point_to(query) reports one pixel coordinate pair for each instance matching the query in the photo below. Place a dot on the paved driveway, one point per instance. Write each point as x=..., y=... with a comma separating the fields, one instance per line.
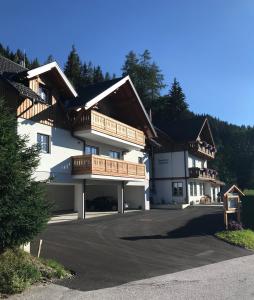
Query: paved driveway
x=113, y=250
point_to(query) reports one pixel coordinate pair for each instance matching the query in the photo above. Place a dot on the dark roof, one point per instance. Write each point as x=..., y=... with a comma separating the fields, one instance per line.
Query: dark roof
x=89, y=92
x=183, y=131
x=9, y=71
x=8, y=67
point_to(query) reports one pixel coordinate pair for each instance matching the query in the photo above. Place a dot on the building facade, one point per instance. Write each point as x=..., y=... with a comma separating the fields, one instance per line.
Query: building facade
x=92, y=144
x=180, y=173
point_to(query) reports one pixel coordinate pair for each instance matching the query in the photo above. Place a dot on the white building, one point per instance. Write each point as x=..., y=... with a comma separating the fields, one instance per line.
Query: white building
x=92, y=144
x=179, y=165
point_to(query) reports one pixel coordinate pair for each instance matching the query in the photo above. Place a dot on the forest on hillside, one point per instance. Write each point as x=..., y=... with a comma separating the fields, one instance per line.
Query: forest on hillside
x=235, y=144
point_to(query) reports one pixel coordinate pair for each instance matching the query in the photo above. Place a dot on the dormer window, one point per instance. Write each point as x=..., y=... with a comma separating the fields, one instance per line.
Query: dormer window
x=44, y=93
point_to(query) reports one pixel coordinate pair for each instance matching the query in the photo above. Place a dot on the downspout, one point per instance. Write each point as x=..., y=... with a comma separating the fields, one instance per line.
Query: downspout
x=186, y=182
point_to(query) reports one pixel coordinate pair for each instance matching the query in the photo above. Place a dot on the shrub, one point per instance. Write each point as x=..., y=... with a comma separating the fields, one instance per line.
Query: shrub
x=248, y=211
x=16, y=272
x=24, y=211
x=19, y=270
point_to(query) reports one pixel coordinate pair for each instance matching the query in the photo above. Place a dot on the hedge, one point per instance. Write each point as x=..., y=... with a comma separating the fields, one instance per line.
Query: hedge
x=248, y=211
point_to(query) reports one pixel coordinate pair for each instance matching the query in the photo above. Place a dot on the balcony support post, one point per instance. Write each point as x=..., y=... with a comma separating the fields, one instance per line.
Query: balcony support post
x=120, y=197
x=80, y=199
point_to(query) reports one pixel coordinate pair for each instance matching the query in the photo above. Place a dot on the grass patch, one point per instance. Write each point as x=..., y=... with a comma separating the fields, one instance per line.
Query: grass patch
x=243, y=238
x=19, y=270
x=249, y=192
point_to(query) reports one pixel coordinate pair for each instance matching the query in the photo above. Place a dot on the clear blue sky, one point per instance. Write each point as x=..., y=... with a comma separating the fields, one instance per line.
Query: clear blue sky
x=208, y=45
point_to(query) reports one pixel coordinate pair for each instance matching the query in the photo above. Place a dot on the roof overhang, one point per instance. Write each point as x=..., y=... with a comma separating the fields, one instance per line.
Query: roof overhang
x=234, y=187
x=114, y=87
x=206, y=122
x=49, y=67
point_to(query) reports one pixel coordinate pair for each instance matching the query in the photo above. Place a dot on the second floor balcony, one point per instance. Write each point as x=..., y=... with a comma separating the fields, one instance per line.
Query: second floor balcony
x=204, y=173
x=84, y=165
x=96, y=126
x=203, y=149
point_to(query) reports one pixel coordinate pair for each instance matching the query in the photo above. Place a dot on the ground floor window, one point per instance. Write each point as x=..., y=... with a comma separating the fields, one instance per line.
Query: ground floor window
x=43, y=141
x=177, y=189
x=193, y=189
x=202, y=189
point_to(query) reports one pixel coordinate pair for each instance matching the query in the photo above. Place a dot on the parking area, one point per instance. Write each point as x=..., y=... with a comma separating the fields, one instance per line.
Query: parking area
x=116, y=249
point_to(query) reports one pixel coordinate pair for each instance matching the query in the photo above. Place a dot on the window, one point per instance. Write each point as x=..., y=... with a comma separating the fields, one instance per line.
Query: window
x=140, y=160
x=202, y=189
x=177, y=189
x=44, y=94
x=43, y=142
x=202, y=164
x=193, y=162
x=193, y=189
x=114, y=154
x=91, y=150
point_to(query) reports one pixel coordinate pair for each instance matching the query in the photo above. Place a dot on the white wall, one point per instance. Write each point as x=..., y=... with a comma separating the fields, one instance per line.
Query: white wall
x=63, y=146
x=170, y=164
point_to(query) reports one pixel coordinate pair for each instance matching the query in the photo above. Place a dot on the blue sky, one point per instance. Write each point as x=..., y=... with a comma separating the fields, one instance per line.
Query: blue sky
x=208, y=45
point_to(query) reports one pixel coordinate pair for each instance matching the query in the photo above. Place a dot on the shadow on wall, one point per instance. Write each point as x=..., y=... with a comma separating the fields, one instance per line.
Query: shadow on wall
x=207, y=224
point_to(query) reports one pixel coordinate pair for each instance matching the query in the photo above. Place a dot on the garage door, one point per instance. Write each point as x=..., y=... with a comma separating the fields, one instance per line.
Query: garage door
x=62, y=197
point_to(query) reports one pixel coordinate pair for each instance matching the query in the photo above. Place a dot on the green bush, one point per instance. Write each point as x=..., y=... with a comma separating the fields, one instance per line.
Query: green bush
x=16, y=272
x=248, y=211
x=19, y=270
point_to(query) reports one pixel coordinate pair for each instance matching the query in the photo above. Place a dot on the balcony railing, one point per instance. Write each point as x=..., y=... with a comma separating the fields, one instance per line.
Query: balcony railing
x=202, y=148
x=97, y=165
x=104, y=124
x=202, y=173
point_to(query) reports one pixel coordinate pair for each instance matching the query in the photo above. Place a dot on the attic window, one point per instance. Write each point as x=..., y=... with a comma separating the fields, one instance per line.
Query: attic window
x=44, y=93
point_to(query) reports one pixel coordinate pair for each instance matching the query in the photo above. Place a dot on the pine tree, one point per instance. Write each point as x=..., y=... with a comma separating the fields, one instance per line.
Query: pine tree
x=23, y=209
x=73, y=68
x=34, y=64
x=87, y=74
x=98, y=75
x=175, y=104
x=49, y=59
x=145, y=75
x=107, y=76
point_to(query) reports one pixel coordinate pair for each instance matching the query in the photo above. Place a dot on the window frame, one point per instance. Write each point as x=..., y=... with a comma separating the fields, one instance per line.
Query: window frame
x=47, y=143
x=178, y=189
x=47, y=92
x=114, y=152
x=91, y=150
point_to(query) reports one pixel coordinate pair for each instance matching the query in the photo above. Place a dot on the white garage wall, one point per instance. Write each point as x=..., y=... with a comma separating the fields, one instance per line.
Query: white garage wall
x=134, y=196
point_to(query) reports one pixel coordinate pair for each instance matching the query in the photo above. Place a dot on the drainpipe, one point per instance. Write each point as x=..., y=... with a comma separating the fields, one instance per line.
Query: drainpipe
x=186, y=182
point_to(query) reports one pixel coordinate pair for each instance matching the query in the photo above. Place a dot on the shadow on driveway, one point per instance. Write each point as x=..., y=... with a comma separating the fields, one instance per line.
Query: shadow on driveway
x=113, y=250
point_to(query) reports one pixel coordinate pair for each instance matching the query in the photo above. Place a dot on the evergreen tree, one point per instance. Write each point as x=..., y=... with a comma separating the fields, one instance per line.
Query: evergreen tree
x=49, y=59
x=175, y=104
x=145, y=75
x=73, y=68
x=98, y=75
x=34, y=64
x=24, y=212
x=107, y=76
x=87, y=74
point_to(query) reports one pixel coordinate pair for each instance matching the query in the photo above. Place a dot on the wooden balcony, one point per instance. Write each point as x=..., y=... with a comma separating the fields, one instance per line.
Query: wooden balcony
x=203, y=149
x=98, y=165
x=94, y=120
x=202, y=173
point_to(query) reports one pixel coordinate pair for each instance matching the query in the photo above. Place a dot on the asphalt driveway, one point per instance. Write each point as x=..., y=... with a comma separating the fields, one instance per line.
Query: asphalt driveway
x=117, y=249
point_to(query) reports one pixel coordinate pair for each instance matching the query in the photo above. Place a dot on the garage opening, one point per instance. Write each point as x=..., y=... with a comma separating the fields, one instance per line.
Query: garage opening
x=62, y=197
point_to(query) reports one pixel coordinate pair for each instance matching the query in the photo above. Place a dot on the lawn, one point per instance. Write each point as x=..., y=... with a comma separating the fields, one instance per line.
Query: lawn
x=243, y=238
x=249, y=192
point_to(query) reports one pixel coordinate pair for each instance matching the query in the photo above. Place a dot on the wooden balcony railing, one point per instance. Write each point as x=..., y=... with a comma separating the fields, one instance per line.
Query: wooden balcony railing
x=104, y=124
x=202, y=148
x=98, y=165
x=202, y=173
